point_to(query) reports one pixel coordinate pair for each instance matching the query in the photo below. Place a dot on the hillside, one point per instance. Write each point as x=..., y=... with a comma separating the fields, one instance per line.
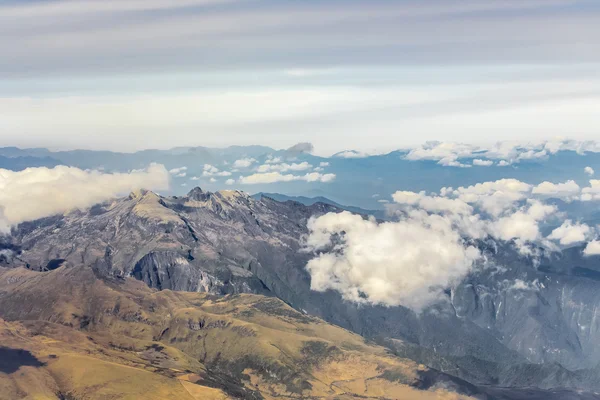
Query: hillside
x=68, y=334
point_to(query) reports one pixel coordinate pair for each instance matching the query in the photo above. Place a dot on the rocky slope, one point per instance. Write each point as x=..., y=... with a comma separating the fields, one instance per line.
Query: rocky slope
x=516, y=324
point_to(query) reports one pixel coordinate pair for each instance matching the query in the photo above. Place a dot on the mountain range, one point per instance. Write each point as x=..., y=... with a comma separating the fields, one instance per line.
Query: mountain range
x=537, y=337
x=378, y=176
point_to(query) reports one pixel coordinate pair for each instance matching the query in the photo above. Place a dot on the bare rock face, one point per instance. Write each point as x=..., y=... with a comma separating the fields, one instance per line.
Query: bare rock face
x=223, y=242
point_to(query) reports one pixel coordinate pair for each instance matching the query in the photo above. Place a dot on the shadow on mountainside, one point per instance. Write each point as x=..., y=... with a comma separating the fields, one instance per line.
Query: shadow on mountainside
x=13, y=359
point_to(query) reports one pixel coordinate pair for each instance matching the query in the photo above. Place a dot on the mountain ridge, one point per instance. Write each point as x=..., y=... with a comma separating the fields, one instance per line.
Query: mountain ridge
x=228, y=242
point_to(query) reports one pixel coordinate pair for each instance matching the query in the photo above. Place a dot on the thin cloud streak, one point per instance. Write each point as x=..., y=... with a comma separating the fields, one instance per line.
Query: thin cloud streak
x=258, y=34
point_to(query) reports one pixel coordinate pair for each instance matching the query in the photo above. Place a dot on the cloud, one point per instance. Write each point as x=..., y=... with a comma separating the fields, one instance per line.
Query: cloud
x=41, y=192
x=350, y=154
x=230, y=182
x=260, y=37
x=494, y=197
x=243, y=163
x=449, y=162
x=589, y=171
x=435, y=150
x=303, y=166
x=580, y=147
x=508, y=152
x=407, y=263
x=179, y=172
x=483, y=163
x=273, y=160
x=507, y=215
x=211, y=170
x=58, y=8
x=522, y=224
x=323, y=164
x=433, y=204
x=407, y=197
x=567, y=190
x=569, y=233
x=272, y=177
x=591, y=192
x=592, y=248
x=370, y=262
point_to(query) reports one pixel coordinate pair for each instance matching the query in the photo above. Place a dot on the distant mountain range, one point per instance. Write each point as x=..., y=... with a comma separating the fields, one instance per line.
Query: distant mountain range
x=309, y=201
x=361, y=180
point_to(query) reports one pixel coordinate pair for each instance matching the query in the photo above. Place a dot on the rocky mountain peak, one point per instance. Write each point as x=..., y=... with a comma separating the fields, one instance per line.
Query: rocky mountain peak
x=137, y=194
x=198, y=194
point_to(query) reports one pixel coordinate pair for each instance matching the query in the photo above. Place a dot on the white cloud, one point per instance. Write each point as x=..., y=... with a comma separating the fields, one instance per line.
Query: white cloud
x=522, y=225
x=581, y=147
x=64, y=8
x=272, y=177
x=569, y=233
x=592, y=248
x=589, y=171
x=230, y=181
x=508, y=152
x=213, y=180
x=303, y=166
x=449, y=162
x=483, y=163
x=433, y=204
x=210, y=170
x=407, y=197
x=591, y=192
x=494, y=197
x=179, y=172
x=273, y=160
x=351, y=154
x=369, y=262
x=41, y=192
x=532, y=155
x=507, y=218
x=441, y=150
x=407, y=263
x=323, y=164
x=244, y=163
x=566, y=190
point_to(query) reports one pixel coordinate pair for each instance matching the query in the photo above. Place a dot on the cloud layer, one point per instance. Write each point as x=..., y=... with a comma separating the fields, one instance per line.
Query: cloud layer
x=272, y=177
x=41, y=192
x=505, y=153
x=430, y=245
x=404, y=263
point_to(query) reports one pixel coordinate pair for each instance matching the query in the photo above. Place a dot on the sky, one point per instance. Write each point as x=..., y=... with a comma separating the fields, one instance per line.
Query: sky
x=342, y=74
